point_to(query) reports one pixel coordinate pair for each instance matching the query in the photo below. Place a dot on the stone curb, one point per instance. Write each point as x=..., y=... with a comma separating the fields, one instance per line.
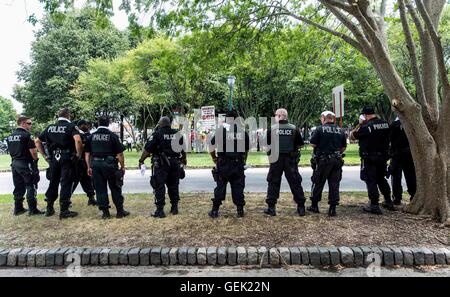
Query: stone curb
x=220, y=256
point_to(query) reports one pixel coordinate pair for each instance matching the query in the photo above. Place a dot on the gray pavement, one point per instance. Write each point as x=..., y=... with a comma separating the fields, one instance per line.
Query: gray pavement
x=200, y=180
x=208, y=271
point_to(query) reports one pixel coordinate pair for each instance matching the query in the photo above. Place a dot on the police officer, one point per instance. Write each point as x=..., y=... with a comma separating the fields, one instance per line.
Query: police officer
x=81, y=176
x=329, y=143
x=25, y=172
x=284, y=140
x=401, y=161
x=232, y=144
x=64, y=150
x=104, y=154
x=373, y=136
x=166, y=147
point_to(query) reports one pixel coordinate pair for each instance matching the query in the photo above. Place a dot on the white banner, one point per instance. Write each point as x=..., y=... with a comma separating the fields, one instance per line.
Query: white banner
x=338, y=101
x=208, y=118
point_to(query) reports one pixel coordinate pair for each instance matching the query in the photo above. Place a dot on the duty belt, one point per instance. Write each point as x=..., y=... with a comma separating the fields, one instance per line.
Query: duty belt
x=107, y=158
x=335, y=155
x=57, y=153
x=232, y=159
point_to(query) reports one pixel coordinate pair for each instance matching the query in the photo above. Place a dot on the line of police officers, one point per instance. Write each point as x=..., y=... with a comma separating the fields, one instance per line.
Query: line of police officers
x=97, y=162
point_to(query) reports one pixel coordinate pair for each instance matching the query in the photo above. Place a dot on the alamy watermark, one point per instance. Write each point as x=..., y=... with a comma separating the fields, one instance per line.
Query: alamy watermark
x=259, y=132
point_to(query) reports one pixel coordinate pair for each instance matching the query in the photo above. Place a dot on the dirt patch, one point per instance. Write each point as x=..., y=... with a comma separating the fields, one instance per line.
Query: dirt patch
x=192, y=227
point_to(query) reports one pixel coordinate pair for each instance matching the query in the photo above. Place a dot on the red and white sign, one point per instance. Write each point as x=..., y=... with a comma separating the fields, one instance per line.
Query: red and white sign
x=208, y=117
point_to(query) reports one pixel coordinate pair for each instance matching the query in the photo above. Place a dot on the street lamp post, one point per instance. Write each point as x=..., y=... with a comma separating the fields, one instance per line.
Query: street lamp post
x=231, y=80
x=11, y=125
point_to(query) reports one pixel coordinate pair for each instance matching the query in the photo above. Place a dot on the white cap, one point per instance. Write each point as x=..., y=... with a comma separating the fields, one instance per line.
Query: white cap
x=327, y=113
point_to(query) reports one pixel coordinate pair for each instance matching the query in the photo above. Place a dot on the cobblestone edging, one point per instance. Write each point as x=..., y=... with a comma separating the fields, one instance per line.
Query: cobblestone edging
x=262, y=256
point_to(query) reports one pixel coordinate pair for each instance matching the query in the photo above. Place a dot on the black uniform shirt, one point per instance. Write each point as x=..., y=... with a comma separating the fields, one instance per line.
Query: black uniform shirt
x=19, y=145
x=399, y=141
x=328, y=139
x=237, y=139
x=161, y=141
x=291, y=142
x=373, y=138
x=60, y=135
x=103, y=143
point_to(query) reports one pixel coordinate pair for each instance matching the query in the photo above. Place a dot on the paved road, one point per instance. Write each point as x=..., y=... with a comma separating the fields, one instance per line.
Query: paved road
x=200, y=180
x=205, y=271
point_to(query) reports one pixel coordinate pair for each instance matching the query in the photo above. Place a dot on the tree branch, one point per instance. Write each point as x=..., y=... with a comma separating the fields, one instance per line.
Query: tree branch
x=437, y=46
x=365, y=49
x=414, y=65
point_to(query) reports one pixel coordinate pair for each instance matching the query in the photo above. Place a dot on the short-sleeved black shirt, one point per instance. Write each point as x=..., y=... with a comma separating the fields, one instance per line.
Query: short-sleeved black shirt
x=373, y=138
x=328, y=139
x=398, y=138
x=103, y=143
x=60, y=136
x=236, y=139
x=161, y=141
x=19, y=145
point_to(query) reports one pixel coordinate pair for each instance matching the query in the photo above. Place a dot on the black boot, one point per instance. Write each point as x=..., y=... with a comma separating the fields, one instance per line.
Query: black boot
x=174, y=209
x=332, y=211
x=105, y=214
x=240, y=212
x=387, y=204
x=301, y=210
x=159, y=213
x=314, y=208
x=65, y=214
x=18, y=208
x=35, y=212
x=271, y=211
x=121, y=213
x=92, y=201
x=214, y=213
x=374, y=209
x=50, y=211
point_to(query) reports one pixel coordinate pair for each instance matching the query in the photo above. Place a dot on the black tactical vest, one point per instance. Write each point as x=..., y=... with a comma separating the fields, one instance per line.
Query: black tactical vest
x=285, y=134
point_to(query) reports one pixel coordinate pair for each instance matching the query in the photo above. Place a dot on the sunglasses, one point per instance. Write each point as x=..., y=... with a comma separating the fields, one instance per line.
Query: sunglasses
x=29, y=123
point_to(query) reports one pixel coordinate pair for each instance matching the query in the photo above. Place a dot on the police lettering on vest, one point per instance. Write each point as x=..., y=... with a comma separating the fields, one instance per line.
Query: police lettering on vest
x=60, y=135
x=328, y=139
x=19, y=145
x=373, y=138
x=161, y=141
x=287, y=135
x=103, y=143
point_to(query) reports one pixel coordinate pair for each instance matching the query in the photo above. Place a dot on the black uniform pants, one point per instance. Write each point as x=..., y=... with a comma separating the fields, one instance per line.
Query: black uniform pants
x=81, y=177
x=61, y=172
x=105, y=173
x=328, y=169
x=373, y=173
x=403, y=163
x=289, y=166
x=25, y=178
x=229, y=171
x=165, y=175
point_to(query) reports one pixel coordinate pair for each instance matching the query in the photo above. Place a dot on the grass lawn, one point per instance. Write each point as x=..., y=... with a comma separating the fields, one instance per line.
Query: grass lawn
x=192, y=227
x=204, y=159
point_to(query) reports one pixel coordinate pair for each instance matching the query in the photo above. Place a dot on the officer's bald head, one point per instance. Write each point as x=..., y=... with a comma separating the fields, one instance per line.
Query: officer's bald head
x=281, y=114
x=164, y=122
